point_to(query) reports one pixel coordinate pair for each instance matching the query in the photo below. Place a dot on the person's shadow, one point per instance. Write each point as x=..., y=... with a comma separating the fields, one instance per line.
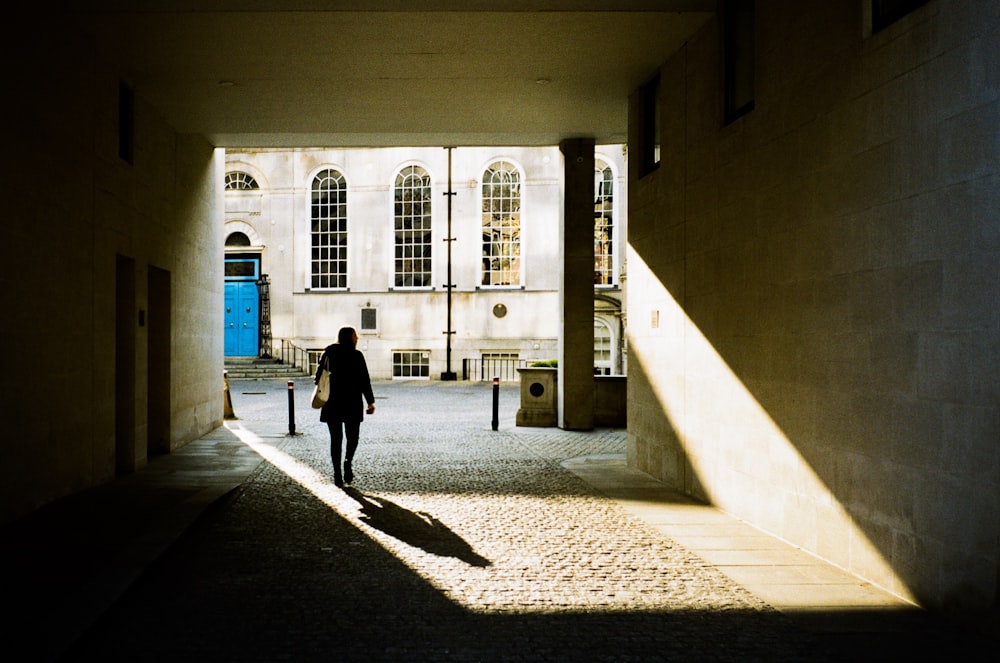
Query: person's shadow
x=418, y=529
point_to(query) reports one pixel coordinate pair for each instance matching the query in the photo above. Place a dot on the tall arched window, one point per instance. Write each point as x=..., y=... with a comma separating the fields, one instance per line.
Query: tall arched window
x=501, y=225
x=604, y=224
x=329, y=230
x=240, y=181
x=413, y=228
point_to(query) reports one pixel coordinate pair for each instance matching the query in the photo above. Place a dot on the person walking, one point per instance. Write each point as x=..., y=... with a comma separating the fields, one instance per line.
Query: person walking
x=350, y=390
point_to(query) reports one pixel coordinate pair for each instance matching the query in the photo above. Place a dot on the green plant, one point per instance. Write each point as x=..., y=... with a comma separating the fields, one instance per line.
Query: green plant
x=549, y=363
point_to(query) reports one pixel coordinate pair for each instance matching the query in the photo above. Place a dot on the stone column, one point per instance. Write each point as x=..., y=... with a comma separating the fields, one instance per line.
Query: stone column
x=576, y=292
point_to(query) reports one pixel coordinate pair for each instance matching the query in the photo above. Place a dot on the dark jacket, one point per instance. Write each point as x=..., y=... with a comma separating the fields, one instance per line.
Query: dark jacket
x=350, y=385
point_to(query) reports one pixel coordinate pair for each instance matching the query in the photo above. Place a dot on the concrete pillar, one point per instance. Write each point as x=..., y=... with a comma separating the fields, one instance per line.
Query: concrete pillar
x=576, y=291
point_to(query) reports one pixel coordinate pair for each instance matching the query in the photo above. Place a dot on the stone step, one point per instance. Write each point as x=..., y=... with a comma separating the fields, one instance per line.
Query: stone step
x=260, y=369
x=252, y=361
x=266, y=376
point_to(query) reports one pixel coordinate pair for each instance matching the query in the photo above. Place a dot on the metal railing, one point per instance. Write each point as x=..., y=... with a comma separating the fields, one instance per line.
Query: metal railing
x=292, y=355
x=478, y=370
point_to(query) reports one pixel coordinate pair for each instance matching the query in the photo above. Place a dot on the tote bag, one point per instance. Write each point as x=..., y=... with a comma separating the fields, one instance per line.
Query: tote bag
x=321, y=392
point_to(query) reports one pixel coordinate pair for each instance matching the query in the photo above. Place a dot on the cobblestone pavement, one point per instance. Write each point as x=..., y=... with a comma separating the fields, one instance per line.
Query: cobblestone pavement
x=455, y=543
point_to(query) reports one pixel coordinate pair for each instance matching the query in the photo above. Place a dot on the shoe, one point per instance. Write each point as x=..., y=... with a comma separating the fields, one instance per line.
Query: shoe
x=338, y=482
x=348, y=474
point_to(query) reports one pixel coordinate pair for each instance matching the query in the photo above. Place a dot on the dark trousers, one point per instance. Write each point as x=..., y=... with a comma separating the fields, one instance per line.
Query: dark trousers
x=338, y=431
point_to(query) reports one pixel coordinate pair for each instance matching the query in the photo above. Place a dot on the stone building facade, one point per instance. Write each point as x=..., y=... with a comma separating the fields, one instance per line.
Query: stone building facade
x=385, y=268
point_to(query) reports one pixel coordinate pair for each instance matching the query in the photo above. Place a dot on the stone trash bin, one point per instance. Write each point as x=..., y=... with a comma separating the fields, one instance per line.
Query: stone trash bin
x=539, y=400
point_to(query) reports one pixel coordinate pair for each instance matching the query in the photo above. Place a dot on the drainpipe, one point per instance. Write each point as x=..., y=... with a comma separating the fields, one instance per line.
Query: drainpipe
x=449, y=374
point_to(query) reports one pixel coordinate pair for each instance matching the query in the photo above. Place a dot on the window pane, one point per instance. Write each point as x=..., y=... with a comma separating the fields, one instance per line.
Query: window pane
x=502, y=365
x=501, y=221
x=237, y=181
x=329, y=230
x=411, y=363
x=413, y=209
x=603, y=225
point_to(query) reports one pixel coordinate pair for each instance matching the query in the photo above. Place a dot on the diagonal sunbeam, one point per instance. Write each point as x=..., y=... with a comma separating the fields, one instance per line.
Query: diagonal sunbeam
x=539, y=553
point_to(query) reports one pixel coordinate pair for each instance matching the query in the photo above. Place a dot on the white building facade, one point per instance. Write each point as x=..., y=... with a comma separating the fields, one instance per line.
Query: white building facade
x=372, y=238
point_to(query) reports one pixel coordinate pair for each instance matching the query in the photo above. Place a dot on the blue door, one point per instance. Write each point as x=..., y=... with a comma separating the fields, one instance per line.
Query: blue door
x=242, y=314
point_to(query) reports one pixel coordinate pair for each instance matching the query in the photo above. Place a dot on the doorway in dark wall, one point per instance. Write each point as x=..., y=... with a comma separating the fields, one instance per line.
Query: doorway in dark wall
x=125, y=342
x=158, y=372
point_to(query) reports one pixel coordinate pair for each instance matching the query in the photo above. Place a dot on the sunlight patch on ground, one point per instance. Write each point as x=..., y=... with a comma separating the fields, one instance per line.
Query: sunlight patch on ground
x=522, y=553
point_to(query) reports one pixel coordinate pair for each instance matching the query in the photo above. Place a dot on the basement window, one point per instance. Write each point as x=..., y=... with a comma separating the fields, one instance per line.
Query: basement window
x=412, y=364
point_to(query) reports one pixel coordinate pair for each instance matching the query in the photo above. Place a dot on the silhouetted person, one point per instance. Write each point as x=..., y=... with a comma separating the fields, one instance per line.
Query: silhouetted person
x=350, y=389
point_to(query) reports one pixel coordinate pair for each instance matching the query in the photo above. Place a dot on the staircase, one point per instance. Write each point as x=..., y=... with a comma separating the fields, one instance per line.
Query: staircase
x=255, y=368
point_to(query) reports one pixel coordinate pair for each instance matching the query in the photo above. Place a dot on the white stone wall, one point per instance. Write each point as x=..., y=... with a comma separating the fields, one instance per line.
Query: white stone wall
x=812, y=292
x=277, y=219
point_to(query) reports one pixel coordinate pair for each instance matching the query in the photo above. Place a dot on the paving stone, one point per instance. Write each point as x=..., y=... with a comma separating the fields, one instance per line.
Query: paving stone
x=455, y=543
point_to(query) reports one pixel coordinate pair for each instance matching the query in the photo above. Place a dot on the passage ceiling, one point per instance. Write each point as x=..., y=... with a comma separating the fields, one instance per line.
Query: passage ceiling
x=309, y=73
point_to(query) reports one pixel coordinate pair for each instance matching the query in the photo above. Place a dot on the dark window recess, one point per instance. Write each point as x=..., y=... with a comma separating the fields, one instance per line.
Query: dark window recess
x=241, y=269
x=126, y=122
x=649, y=126
x=887, y=12
x=739, y=61
x=369, y=321
x=237, y=239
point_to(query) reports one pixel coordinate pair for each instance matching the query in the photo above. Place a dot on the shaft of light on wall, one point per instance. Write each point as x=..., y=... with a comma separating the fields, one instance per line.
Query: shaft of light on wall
x=744, y=462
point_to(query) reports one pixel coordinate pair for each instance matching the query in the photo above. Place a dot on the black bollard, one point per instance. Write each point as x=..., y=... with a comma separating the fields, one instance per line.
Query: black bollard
x=496, y=403
x=291, y=407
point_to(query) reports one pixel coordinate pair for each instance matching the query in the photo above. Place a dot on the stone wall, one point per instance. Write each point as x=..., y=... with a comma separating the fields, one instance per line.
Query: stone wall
x=101, y=254
x=812, y=289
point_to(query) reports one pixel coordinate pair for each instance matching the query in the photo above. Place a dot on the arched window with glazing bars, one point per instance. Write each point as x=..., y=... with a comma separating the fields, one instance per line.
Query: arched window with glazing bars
x=328, y=218
x=501, y=225
x=239, y=181
x=412, y=228
x=604, y=224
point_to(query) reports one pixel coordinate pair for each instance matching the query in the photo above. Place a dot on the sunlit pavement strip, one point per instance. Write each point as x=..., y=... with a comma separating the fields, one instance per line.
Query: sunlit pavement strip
x=499, y=529
x=457, y=543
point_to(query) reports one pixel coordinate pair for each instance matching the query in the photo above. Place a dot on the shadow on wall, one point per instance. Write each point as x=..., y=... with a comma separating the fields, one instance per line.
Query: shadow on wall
x=799, y=434
x=827, y=486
